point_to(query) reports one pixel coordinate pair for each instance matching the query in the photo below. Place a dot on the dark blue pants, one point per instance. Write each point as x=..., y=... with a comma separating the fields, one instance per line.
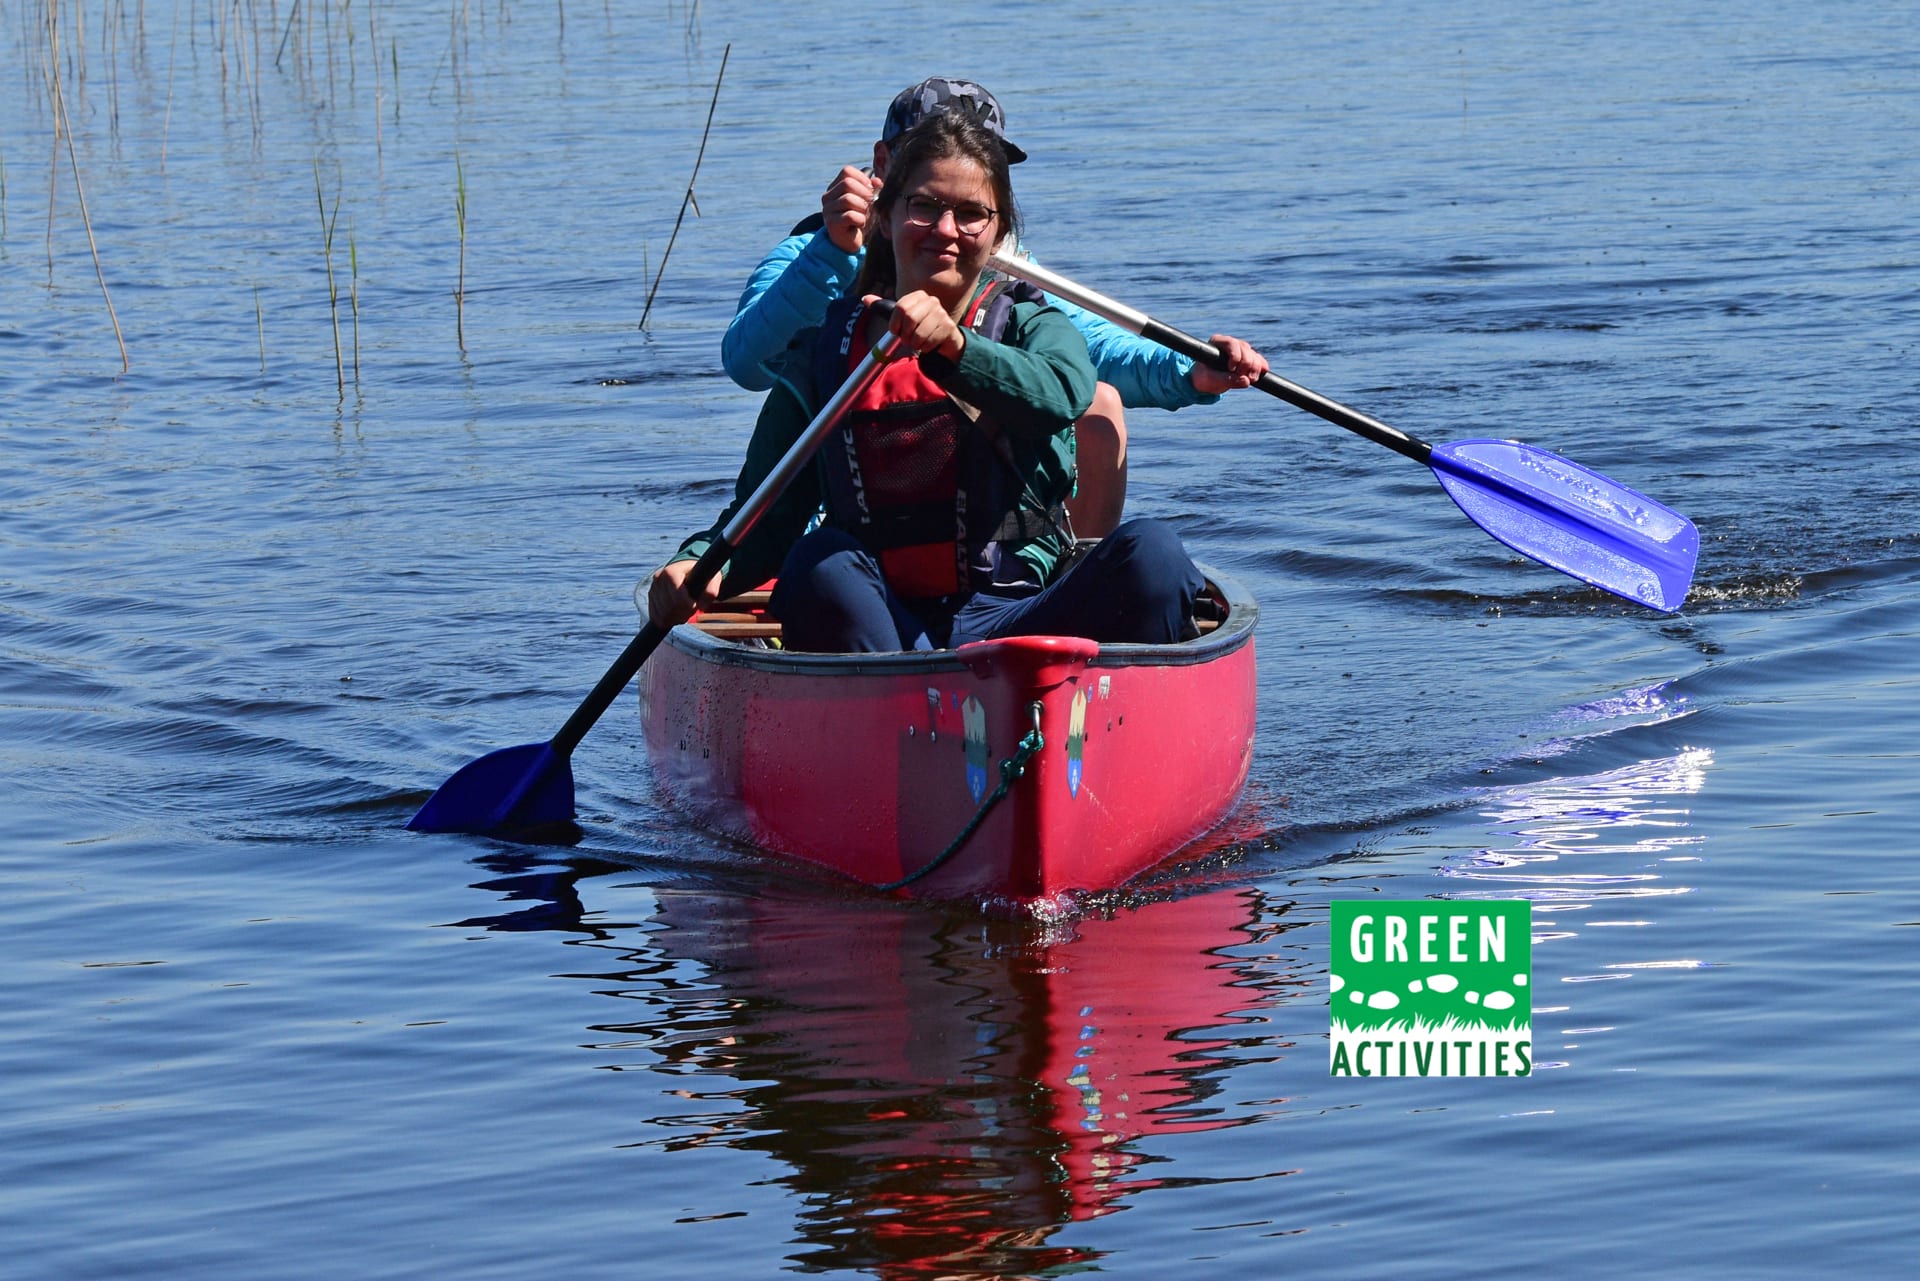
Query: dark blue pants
x=1137, y=586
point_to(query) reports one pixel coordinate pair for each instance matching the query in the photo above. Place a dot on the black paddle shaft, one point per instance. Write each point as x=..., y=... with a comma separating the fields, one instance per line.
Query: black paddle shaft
x=1138, y=322
x=1293, y=393
x=638, y=650
x=631, y=659
x=1543, y=506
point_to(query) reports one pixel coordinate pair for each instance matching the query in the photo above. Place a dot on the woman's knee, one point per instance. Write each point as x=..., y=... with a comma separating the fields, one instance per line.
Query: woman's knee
x=1101, y=432
x=1100, y=437
x=822, y=554
x=1149, y=542
x=830, y=595
x=1148, y=556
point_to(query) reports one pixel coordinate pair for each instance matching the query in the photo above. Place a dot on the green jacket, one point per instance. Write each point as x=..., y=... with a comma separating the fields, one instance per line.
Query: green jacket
x=1032, y=383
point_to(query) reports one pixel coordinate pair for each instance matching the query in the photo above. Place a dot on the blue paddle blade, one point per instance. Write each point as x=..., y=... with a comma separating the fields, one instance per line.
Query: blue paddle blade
x=1572, y=518
x=515, y=787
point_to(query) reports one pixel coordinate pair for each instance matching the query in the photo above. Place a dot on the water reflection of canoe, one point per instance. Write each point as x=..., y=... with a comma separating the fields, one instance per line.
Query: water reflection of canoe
x=872, y=765
x=944, y=1093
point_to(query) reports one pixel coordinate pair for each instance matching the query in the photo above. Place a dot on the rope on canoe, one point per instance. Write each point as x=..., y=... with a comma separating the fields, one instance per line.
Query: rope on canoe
x=1011, y=768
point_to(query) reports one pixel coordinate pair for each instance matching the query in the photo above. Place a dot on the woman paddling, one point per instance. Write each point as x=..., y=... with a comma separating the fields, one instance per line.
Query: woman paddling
x=943, y=487
x=822, y=257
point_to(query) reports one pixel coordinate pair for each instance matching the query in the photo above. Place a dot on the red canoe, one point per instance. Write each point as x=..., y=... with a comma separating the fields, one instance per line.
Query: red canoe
x=872, y=765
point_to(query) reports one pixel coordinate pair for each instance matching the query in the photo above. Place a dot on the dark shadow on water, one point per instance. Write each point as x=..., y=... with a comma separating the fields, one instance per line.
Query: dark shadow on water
x=644, y=376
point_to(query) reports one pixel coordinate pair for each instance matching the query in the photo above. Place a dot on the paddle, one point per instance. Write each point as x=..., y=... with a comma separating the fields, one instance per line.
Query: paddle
x=1536, y=502
x=531, y=785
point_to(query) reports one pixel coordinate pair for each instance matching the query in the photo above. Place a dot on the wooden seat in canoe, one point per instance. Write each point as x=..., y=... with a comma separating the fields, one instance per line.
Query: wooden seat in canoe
x=744, y=617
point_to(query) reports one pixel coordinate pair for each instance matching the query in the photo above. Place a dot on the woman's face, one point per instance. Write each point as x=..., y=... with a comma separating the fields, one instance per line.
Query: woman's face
x=941, y=257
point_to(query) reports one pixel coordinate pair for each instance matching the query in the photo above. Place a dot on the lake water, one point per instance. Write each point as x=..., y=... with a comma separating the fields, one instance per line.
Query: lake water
x=256, y=603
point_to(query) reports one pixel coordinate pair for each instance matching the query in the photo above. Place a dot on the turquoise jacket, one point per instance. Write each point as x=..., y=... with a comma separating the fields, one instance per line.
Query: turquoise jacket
x=790, y=290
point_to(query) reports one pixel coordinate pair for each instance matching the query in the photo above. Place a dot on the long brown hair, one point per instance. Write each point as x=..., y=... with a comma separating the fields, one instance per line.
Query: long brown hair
x=944, y=135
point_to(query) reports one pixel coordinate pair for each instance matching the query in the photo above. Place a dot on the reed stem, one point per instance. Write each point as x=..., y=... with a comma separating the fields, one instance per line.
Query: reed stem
x=333, y=289
x=292, y=15
x=166, y=126
x=353, y=296
x=63, y=124
x=688, y=198
x=460, y=286
x=379, y=87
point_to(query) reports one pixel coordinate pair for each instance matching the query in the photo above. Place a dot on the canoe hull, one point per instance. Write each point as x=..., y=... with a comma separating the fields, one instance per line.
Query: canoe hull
x=871, y=765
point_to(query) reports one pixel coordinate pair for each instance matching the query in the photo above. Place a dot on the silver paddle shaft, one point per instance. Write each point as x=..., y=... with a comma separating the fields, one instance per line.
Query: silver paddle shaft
x=801, y=452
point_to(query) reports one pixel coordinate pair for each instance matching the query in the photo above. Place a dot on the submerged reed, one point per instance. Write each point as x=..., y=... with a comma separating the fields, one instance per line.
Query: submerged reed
x=460, y=285
x=353, y=297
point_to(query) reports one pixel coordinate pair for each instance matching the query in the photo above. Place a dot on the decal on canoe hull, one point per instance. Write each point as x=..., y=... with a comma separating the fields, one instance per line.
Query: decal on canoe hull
x=1076, y=740
x=973, y=722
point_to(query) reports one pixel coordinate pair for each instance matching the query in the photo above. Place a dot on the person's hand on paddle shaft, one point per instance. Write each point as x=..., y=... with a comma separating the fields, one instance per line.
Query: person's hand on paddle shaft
x=847, y=205
x=922, y=324
x=1244, y=367
x=668, y=600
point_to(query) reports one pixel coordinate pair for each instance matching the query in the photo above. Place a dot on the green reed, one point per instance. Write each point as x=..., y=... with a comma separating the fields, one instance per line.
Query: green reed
x=460, y=284
x=327, y=223
x=688, y=199
x=63, y=128
x=353, y=296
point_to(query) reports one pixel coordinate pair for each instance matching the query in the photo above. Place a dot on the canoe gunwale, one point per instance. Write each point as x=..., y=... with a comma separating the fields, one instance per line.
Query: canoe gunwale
x=1235, y=631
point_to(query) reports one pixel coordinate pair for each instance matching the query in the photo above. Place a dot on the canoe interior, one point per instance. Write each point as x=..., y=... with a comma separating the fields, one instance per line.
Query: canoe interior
x=744, y=617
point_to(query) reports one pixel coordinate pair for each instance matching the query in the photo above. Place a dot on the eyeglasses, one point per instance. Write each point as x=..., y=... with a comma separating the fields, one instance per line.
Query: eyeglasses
x=968, y=219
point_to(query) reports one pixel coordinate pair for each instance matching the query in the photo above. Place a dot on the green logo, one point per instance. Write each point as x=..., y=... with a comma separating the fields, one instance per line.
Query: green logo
x=1432, y=988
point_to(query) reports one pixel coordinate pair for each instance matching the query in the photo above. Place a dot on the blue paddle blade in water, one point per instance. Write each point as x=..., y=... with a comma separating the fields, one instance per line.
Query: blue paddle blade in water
x=1572, y=518
x=515, y=787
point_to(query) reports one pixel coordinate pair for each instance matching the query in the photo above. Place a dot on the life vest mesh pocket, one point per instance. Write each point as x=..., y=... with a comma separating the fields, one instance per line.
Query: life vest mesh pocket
x=915, y=461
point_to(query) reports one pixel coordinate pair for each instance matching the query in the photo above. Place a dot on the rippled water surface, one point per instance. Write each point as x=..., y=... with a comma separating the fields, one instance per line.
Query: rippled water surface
x=256, y=601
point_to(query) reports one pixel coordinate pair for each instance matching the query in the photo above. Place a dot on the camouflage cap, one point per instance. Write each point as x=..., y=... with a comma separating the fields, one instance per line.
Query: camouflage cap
x=913, y=105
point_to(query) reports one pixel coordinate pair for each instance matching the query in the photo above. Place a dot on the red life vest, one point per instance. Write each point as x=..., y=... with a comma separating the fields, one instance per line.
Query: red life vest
x=931, y=487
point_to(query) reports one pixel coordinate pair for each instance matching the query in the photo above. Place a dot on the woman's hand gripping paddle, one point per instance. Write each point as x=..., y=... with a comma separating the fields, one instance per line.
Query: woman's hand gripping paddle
x=1536, y=502
x=522, y=787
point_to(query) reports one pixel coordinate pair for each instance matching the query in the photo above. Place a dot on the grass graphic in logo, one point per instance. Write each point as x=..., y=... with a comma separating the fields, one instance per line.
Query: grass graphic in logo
x=1431, y=988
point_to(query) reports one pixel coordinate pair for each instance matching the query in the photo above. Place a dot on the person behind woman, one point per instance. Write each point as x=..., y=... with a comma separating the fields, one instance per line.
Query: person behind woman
x=944, y=482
